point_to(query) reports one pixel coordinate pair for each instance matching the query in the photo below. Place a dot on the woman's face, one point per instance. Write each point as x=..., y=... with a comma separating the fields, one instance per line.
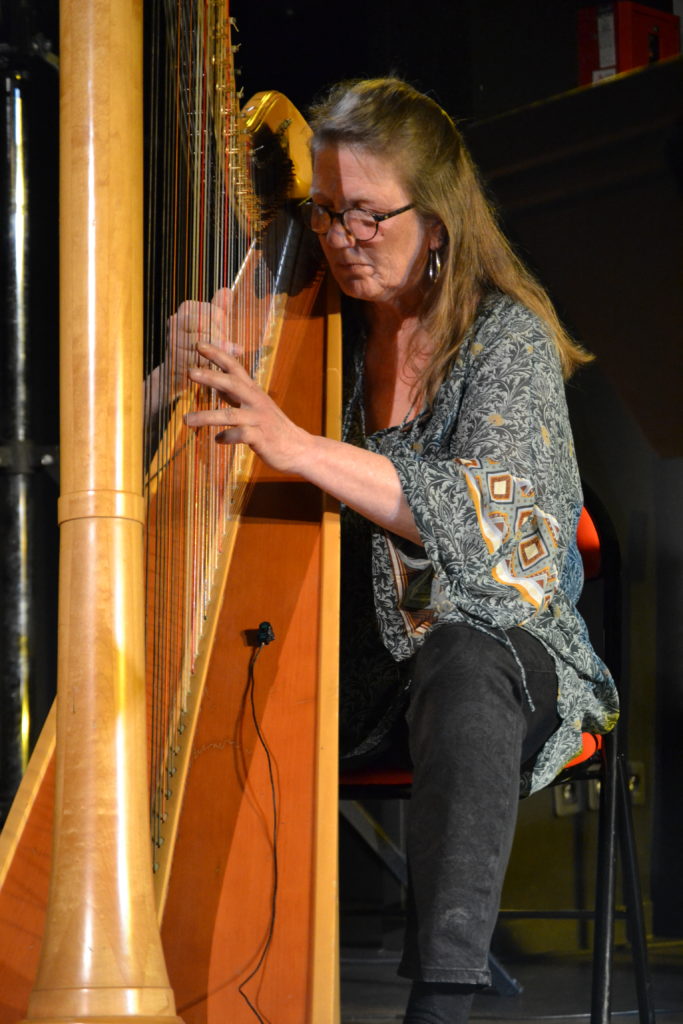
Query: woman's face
x=391, y=267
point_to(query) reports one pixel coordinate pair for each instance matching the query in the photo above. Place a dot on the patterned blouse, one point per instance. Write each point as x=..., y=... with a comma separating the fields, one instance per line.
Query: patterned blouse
x=491, y=478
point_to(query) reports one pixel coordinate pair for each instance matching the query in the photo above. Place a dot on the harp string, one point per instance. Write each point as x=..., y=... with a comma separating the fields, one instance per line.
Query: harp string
x=205, y=234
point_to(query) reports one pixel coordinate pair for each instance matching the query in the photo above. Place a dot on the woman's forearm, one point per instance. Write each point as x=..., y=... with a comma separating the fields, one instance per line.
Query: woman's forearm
x=363, y=480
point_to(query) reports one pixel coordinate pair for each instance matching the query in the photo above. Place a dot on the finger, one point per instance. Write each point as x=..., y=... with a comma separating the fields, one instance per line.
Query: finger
x=200, y=320
x=185, y=354
x=218, y=328
x=193, y=315
x=223, y=299
x=224, y=359
x=219, y=325
x=179, y=337
x=212, y=417
x=203, y=321
x=234, y=383
x=233, y=435
x=182, y=351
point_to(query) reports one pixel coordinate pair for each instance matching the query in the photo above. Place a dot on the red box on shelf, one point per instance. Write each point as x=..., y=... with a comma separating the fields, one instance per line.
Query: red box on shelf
x=621, y=36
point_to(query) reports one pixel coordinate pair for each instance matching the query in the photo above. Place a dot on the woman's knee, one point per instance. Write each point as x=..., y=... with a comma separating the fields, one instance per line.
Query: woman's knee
x=464, y=690
x=459, y=663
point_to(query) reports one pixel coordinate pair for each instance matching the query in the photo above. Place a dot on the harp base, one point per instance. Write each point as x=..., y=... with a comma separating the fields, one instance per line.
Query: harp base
x=80, y=1018
x=106, y=1005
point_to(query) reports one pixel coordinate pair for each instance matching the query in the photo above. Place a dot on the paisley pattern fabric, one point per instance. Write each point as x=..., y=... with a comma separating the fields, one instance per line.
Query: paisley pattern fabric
x=490, y=475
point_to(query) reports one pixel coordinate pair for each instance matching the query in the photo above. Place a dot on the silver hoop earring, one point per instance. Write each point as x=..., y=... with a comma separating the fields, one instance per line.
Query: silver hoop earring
x=434, y=265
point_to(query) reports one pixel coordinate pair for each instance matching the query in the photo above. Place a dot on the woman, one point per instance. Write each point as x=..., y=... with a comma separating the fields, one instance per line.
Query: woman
x=461, y=498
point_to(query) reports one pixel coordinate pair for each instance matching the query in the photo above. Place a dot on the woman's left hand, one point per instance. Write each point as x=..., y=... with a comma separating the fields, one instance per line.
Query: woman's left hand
x=250, y=416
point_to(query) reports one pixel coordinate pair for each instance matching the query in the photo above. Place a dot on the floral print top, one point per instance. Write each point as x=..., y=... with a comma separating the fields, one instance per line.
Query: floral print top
x=491, y=478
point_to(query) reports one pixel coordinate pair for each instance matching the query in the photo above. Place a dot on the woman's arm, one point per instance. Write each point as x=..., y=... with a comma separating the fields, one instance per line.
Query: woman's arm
x=363, y=480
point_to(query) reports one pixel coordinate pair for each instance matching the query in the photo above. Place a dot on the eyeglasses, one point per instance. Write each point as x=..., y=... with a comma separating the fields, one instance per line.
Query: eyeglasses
x=362, y=224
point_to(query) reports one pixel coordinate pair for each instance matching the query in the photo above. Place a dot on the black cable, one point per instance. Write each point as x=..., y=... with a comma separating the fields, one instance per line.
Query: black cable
x=264, y=636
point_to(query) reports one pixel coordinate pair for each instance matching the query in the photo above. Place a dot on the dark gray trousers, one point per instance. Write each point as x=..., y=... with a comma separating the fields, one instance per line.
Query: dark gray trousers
x=470, y=729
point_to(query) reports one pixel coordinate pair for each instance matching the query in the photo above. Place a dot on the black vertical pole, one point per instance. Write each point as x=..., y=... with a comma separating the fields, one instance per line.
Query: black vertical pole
x=27, y=570
x=14, y=493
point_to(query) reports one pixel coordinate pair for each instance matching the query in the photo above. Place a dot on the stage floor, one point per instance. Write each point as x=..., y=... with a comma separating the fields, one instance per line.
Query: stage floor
x=555, y=988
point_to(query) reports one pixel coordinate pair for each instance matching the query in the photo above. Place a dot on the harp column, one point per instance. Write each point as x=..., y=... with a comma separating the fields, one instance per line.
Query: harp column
x=102, y=957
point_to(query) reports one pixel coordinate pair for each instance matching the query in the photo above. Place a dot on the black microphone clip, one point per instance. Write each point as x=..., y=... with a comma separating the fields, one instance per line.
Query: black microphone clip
x=265, y=634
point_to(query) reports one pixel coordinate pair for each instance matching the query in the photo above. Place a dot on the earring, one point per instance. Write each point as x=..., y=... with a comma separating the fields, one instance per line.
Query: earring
x=434, y=265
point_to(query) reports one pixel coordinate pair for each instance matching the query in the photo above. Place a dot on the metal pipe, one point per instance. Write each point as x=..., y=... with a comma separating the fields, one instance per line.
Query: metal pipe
x=16, y=460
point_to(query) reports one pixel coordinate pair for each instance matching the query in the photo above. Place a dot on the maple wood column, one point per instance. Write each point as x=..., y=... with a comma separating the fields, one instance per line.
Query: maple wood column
x=102, y=957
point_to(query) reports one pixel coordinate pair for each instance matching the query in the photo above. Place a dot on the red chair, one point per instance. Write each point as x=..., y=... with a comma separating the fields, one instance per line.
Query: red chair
x=603, y=758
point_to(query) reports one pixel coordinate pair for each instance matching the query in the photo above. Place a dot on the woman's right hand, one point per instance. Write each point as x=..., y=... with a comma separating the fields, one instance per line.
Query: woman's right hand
x=194, y=322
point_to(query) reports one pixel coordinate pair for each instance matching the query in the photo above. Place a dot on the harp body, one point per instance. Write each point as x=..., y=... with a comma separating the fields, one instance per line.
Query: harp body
x=116, y=945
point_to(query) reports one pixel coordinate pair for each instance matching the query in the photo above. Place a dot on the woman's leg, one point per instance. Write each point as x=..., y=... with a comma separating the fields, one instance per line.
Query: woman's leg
x=468, y=720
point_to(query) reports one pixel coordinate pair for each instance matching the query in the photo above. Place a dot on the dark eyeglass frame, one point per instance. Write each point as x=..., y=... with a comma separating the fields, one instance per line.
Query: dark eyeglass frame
x=339, y=215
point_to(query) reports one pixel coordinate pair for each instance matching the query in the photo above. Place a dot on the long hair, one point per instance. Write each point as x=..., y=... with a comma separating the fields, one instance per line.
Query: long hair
x=389, y=118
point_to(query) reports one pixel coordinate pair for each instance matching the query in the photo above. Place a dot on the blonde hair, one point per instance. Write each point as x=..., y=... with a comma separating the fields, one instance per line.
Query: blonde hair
x=390, y=118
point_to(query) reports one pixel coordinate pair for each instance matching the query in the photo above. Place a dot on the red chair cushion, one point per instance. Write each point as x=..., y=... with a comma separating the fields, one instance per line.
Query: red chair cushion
x=589, y=545
x=592, y=742
x=403, y=775
x=377, y=777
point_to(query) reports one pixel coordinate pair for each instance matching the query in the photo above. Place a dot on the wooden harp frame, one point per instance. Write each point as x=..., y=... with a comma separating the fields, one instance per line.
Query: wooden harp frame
x=102, y=954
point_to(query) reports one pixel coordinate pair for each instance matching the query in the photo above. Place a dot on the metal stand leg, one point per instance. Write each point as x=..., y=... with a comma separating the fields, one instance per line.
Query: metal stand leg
x=502, y=983
x=633, y=897
x=605, y=883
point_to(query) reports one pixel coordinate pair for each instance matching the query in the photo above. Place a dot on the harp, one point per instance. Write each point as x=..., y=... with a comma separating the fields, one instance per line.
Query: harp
x=240, y=923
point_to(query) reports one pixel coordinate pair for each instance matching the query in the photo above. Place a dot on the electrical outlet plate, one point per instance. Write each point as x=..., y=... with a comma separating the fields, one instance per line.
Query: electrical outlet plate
x=636, y=787
x=636, y=782
x=567, y=799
